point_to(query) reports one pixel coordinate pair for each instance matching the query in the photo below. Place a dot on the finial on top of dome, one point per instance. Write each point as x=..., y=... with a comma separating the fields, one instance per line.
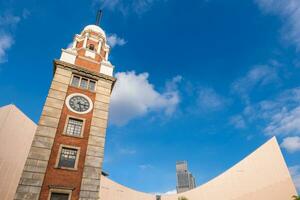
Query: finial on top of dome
x=98, y=17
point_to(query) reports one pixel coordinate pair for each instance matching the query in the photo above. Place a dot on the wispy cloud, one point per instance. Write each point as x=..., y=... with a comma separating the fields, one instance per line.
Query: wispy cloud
x=289, y=12
x=284, y=122
x=137, y=6
x=279, y=115
x=7, y=23
x=283, y=113
x=291, y=144
x=134, y=96
x=127, y=151
x=114, y=40
x=258, y=76
x=145, y=166
x=6, y=41
x=209, y=100
x=9, y=19
x=238, y=121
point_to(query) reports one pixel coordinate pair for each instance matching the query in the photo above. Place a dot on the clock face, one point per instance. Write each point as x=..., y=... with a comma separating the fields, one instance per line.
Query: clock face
x=79, y=103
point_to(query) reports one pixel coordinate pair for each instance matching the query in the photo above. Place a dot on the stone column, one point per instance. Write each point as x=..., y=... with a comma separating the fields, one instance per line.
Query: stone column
x=36, y=164
x=90, y=185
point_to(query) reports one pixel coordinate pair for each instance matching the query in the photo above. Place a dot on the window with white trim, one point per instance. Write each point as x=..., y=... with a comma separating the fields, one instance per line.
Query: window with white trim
x=68, y=157
x=84, y=83
x=59, y=196
x=75, y=81
x=74, y=127
x=92, y=85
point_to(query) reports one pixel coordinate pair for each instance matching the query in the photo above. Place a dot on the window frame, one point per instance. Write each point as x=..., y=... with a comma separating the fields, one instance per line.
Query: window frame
x=59, y=154
x=61, y=191
x=73, y=79
x=88, y=82
x=67, y=123
x=95, y=83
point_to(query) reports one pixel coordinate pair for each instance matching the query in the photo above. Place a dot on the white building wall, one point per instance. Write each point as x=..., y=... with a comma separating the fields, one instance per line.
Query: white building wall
x=260, y=176
x=16, y=134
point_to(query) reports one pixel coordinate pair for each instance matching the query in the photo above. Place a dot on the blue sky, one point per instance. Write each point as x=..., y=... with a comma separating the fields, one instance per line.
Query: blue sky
x=205, y=81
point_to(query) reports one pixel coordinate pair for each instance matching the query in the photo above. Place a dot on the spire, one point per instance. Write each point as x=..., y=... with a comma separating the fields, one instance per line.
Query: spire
x=98, y=17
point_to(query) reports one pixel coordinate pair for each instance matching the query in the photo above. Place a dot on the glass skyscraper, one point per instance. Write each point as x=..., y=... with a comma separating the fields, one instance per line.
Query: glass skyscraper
x=185, y=179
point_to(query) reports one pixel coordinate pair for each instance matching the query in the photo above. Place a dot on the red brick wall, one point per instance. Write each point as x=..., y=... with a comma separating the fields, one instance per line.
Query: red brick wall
x=87, y=65
x=63, y=177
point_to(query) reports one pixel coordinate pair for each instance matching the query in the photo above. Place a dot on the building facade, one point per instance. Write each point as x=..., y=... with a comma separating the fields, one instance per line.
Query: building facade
x=66, y=155
x=185, y=179
x=16, y=134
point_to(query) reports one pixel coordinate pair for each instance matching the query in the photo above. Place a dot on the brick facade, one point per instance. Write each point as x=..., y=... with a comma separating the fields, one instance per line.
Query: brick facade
x=65, y=178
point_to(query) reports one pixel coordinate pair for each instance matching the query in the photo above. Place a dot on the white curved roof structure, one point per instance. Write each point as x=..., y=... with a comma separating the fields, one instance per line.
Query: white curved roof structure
x=262, y=175
x=95, y=29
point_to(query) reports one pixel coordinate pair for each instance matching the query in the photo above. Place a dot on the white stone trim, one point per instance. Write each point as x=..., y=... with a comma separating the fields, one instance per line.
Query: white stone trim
x=90, y=53
x=85, y=40
x=99, y=47
x=79, y=94
x=67, y=123
x=106, y=68
x=61, y=191
x=68, y=56
x=93, y=38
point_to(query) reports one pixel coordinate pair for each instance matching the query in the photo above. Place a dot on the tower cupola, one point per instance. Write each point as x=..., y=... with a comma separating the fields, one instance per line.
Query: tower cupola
x=89, y=50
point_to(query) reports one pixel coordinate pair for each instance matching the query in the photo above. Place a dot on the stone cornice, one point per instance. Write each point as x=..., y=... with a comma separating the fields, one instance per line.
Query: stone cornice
x=80, y=70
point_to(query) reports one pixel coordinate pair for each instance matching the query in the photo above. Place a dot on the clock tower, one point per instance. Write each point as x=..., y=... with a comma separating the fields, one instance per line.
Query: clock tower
x=65, y=158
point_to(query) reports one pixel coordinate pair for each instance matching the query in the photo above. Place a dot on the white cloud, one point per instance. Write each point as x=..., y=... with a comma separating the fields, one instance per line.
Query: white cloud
x=127, y=151
x=137, y=6
x=7, y=24
x=133, y=96
x=295, y=173
x=291, y=144
x=278, y=116
x=284, y=122
x=145, y=166
x=9, y=20
x=113, y=40
x=209, y=100
x=6, y=41
x=165, y=193
x=260, y=75
x=171, y=192
x=282, y=113
x=289, y=12
x=238, y=121
x=26, y=13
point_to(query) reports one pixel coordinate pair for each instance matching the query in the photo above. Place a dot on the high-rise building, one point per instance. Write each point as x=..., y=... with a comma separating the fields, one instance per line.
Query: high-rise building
x=66, y=155
x=185, y=179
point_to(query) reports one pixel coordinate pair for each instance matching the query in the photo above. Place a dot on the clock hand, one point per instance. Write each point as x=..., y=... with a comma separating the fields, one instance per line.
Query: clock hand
x=79, y=105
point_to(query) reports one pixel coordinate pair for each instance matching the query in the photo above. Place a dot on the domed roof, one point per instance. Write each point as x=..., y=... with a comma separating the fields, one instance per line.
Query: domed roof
x=94, y=28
